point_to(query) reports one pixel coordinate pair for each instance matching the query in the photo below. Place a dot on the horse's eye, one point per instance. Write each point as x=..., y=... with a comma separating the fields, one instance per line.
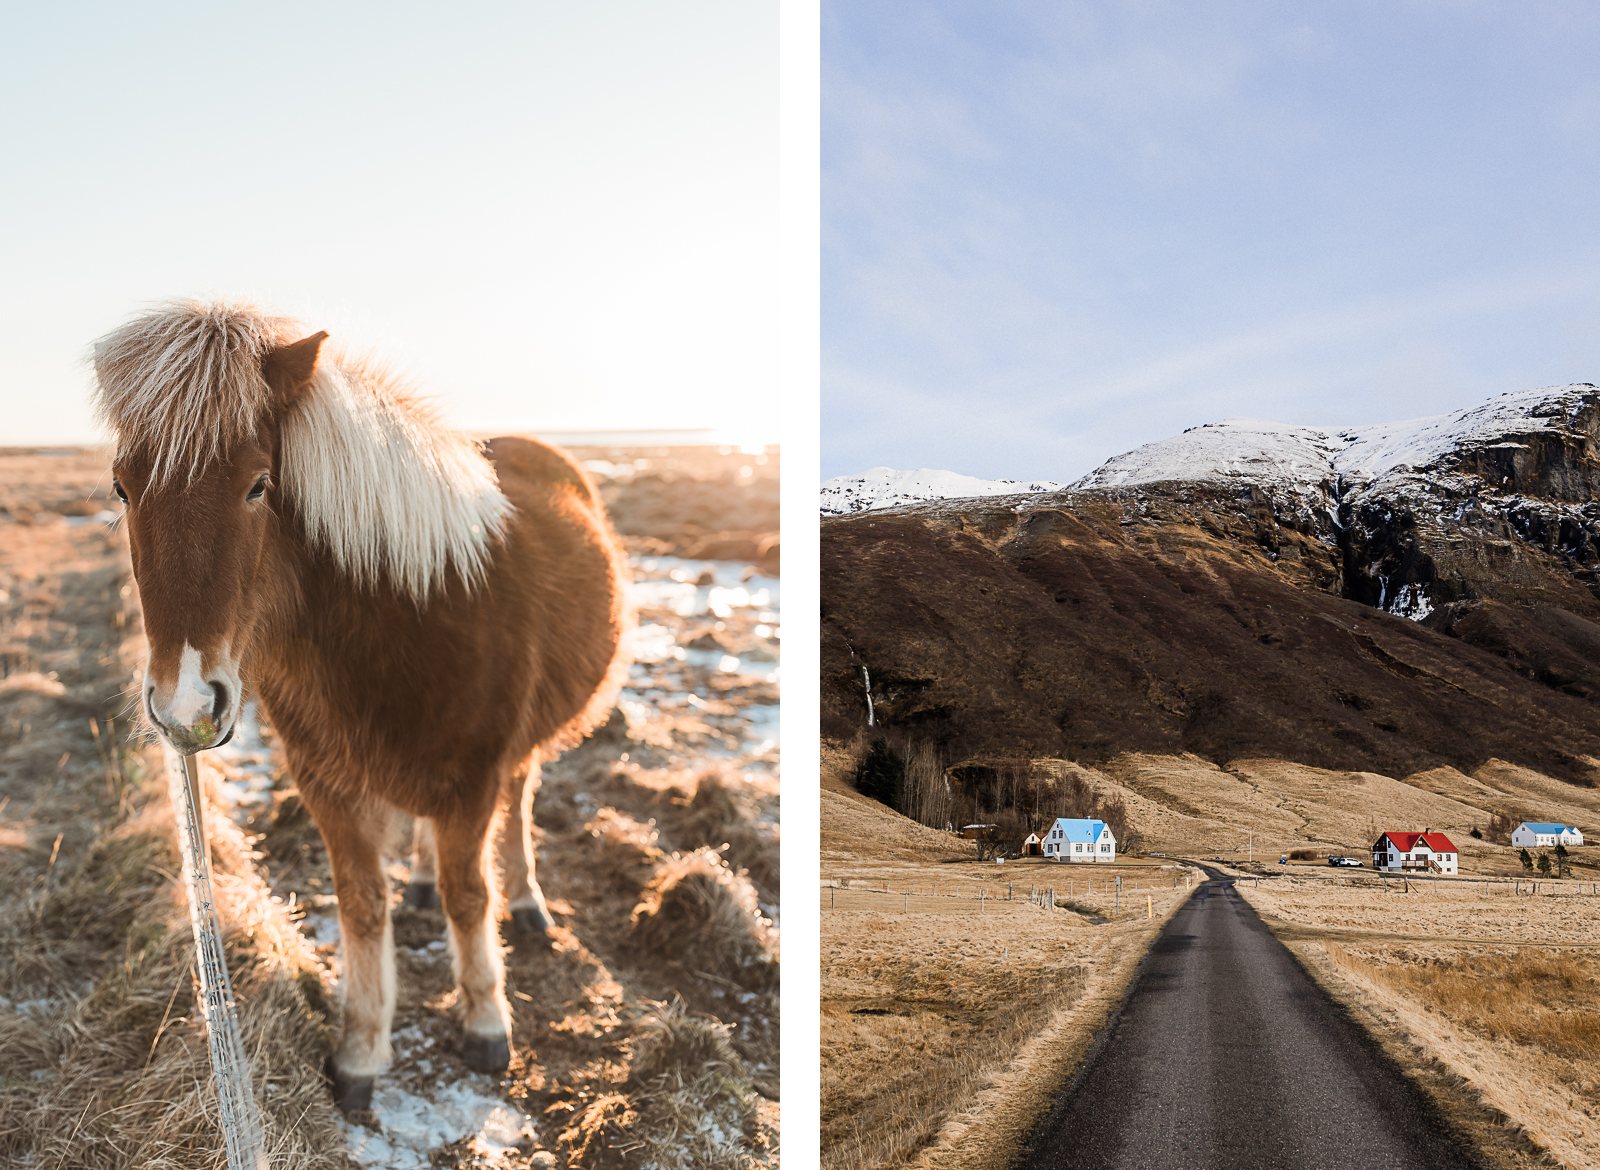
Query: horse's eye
x=259, y=490
x=121, y=495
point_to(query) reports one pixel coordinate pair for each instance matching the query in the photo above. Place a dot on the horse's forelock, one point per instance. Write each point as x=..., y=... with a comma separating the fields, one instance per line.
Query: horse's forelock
x=182, y=384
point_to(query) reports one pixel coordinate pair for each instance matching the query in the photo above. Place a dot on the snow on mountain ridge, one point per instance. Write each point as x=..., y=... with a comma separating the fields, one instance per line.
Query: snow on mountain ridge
x=1306, y=457
x=886, y=487
x=1318, y=465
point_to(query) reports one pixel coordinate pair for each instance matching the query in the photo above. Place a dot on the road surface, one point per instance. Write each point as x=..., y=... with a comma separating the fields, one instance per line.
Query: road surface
x=1227, y=1056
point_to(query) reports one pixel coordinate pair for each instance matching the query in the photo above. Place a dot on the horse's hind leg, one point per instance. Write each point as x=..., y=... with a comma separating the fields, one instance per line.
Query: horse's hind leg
x=355, y=835
x=529, y=914
x=462, y=840
x=422, y=890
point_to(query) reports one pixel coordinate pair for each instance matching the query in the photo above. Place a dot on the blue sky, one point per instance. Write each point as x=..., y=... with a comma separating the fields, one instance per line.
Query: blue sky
x=551, y=215
x=1052, y=232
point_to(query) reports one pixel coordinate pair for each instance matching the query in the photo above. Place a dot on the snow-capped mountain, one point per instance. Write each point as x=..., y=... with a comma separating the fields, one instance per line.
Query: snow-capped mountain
x=1232, y=592
x=1517, y=462
x=1406, y=510
x=885, y=487
x=1284, y=455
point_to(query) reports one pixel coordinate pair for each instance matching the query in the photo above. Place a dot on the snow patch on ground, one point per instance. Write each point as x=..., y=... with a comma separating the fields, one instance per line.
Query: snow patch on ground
x=1411, y=602
x=666, y=676
x=884, y=487
x=410, y=1127
x=104, y=517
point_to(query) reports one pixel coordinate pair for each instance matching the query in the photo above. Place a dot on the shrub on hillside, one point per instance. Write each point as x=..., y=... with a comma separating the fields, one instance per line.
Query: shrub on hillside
x=882, y=774
x=1500, y=825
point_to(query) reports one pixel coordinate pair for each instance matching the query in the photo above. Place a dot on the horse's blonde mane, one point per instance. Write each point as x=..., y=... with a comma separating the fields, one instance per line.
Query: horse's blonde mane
x=377, y=482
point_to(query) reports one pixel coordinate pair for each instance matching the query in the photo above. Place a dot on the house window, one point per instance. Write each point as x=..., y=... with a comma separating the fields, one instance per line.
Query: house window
x=1077, y=848
x=1105, y=848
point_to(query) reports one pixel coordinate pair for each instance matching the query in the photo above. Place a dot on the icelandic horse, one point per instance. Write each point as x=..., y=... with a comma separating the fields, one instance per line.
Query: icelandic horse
x=421, y=618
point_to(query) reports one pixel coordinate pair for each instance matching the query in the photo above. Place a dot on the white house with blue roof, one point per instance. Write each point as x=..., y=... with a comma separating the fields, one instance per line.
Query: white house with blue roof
x=1545, y=834
x=1078, y=839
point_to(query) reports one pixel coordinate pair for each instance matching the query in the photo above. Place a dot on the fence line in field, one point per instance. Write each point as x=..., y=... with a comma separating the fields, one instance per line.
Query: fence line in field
x=1112, y=887
x=1043, y=896
x=1512, y=887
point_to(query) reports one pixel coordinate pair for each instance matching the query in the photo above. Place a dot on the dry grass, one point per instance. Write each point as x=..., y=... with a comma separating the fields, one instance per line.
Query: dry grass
x=701, y=914
x=918, y=1011
x=945, y=1027
x=1547, y=1002
x=684, y=1101
x=106, y=1061
x=1468, y=988
x=124, y=1070
x=713, y=808
x=1330, y=903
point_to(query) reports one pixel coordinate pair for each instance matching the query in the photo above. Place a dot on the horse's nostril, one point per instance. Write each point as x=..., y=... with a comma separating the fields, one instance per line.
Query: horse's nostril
x=220, y=703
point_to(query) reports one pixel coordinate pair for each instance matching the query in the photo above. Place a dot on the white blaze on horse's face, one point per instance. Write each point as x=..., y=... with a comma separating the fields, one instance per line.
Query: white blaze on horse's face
x=198, y=706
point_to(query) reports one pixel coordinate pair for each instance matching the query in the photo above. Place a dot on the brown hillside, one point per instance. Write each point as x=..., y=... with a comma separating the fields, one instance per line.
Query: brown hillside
x=1087, y=624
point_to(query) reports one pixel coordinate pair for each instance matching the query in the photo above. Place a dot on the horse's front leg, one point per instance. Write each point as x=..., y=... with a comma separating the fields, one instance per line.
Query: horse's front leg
x=354, y=835
x=461, y=840
x=529, y=914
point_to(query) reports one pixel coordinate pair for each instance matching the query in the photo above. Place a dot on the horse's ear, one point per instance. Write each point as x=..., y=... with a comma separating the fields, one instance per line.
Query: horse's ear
x=288, y=368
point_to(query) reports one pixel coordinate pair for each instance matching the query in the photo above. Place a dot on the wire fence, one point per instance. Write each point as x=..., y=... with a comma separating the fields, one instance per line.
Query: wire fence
x=230, y=1067
x=1515, y=887
x=1107, y=894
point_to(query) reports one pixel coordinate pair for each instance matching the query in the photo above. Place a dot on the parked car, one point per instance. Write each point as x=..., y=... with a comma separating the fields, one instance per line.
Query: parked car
x=1353, y=862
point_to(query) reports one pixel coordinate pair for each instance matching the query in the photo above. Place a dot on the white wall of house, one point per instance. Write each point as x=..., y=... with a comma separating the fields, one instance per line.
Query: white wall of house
x=1080, y=852
x=1526, y=838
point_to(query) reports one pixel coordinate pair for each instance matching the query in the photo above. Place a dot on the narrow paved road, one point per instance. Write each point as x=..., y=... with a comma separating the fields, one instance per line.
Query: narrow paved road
x=1228, y=1057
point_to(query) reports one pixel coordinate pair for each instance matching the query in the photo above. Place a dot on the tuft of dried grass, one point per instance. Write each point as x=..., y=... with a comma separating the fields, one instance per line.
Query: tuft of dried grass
x=713, y=808
x=111, y=1070
x=687, y=1101
x=631, y=848
x=699, y=913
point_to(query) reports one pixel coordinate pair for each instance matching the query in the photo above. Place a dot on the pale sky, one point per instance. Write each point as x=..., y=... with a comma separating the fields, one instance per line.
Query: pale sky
x=550, y=215
x=1055, y=231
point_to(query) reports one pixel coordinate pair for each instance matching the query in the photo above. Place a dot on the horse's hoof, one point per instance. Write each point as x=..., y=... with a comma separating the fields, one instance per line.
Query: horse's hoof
x=421, y=895
x=531, y=922
x=351, y=1094
x=486, y=1054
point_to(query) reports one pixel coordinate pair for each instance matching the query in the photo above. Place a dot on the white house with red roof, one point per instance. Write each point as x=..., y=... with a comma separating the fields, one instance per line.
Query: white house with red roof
x=1424, y=852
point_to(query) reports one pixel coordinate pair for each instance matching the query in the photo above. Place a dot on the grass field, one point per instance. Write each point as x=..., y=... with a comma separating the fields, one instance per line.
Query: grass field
x=647, y=1032
x=950, y=1010
x=1490, y=999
